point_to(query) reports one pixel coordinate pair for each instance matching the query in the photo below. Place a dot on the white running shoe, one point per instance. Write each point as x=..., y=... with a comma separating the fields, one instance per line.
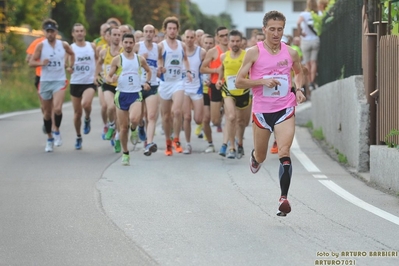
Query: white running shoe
x=188, y=149
x=49, y=145
x=210, y=148
x=57, y=139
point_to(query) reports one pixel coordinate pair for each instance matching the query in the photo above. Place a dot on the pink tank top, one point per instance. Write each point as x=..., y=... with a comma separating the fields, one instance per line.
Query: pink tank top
x=278, y=66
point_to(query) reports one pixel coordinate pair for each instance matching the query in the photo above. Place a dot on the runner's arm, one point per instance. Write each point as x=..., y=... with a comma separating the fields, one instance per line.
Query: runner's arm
x=187, y=64
x=243, y=82
x=205, y=69
x=111, y=76
x=161, y=68
x=34, y=60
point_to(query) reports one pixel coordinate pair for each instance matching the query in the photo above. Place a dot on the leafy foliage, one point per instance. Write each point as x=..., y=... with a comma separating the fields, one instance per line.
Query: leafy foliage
x=394, y=15
x=389, y=138
x=74, y=10
x=318, y=20
x=12, y=55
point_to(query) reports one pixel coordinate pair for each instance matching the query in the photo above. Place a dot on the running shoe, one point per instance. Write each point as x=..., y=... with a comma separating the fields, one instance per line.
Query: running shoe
x=188, y=149
x=274, y=148
x=110, y=133
x=284, y=206
x=231, y=154
x=240, y=151
x=253, y=164
x=49, y=145
x=198, y=130
x=134, y=137
x=200, y=135
x=142, y=134
x=78, y=144
x=86, y=126
x=150, y=148
x=168, y=151
x=117, y=147
x=125, y=159
x=57, y=139
x=219, y=128
x=223, y=149
x=105, y=130
x=210, y=148
x=177, y=146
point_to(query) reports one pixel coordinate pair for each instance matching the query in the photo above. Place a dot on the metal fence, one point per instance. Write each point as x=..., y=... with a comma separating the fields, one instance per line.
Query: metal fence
x=388, y=86
x=340, y=52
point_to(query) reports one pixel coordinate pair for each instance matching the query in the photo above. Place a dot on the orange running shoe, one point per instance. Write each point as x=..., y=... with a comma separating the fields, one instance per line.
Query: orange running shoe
x=168, y=151
x=177, y=146
x=274, y=148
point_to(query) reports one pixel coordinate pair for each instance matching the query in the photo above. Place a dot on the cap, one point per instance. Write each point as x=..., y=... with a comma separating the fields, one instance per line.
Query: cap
x=50, y=26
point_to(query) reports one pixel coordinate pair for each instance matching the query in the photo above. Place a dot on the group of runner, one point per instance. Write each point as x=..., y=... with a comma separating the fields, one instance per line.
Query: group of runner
x=194, y=78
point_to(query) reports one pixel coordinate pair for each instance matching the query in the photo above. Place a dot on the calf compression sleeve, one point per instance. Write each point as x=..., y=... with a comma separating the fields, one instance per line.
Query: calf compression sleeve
x=285, y=174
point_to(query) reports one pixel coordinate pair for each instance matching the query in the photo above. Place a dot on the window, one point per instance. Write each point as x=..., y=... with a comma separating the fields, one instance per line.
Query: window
x=254, y=6
x=299, y=5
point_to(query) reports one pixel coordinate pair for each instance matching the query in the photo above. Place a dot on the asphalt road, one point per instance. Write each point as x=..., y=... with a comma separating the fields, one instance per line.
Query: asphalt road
x=83, y=208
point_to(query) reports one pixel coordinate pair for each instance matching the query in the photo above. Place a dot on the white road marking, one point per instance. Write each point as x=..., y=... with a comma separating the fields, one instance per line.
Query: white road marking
x=312, y=168
x=303, y=158
x=29, y=111
x=358, y=202
x=320, y=176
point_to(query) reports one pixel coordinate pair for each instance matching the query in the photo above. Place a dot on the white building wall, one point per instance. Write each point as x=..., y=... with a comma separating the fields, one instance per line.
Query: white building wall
x=244, y=20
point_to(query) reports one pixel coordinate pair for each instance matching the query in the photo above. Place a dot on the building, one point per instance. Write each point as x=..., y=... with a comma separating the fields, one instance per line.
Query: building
x=247, y=15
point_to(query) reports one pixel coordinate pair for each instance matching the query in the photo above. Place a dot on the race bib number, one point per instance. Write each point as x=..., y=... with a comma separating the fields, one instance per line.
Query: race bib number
x=128, y=79
x=231, y=82
x=54, y=65
x=279, y=90
x=173, y=73
x=192, y=74
x=81, y=68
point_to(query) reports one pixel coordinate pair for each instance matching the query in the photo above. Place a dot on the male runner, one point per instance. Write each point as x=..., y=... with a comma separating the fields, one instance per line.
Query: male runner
x=149, y=51
x=50, y=54
x=104, y=63
x=125, y=71
x=193, y=98
x=269, y=64
x=211, y=66
x=172, y=55
x=82, y=81
x=236, y=100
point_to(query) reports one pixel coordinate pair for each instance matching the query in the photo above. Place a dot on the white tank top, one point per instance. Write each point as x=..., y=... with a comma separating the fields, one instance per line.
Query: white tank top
x=173, y=62
x=307, y=20
x=55, y=69
x=195, y=64
x=129, y=78
x=84, y=68
x=152, y=61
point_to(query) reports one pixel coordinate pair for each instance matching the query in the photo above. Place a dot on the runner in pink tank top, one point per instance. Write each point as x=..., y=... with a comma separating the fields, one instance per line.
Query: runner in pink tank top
x=269, y=64
x=278, y=66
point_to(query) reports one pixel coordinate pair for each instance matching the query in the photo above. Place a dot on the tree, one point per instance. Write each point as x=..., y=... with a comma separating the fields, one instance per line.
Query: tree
x=31, y=12
x=74, y=10
x=104, y=9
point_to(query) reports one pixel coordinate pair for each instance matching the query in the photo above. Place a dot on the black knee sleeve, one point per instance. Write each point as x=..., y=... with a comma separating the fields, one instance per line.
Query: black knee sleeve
x=47, y=125
x=285, y=174
x=57, y=119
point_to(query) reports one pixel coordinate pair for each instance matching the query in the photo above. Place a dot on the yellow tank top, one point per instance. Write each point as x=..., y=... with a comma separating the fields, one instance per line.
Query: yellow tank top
x=107, y=63
x=231, y=67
